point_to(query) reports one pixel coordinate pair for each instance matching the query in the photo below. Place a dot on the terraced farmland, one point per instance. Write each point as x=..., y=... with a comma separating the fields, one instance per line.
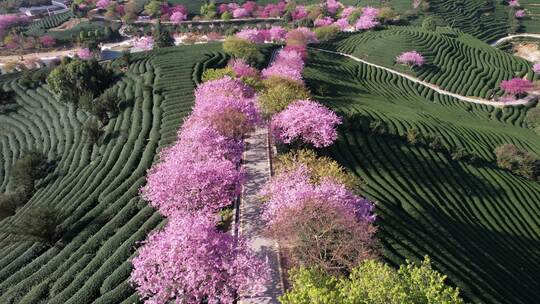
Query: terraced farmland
x=37, y=27
x=96, y=188
x=479, y=224
x=532, y=22
x=456, y=61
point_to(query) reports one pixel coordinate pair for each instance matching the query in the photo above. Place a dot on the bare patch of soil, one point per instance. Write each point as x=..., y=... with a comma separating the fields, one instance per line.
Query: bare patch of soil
x=528, y=51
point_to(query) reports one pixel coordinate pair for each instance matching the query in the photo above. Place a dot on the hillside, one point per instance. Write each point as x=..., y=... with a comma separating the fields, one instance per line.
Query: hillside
x=477, y=222
x=97, y=188
x=456, y=61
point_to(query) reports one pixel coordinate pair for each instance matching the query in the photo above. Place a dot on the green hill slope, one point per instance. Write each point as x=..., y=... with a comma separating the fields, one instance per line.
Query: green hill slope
x=456, y=61
x=479, y=224
x=97, y=188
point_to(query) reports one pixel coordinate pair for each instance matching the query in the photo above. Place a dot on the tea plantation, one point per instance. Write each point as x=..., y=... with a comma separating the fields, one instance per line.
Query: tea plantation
x=478, y=223
x=95, y=187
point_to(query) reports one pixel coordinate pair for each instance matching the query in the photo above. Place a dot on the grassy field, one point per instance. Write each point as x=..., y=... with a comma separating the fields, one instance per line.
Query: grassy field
x=456, y=61
x=96, y=188
x=478, y=223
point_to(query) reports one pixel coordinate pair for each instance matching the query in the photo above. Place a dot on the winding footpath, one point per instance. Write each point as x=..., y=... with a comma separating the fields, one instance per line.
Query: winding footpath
x=256, y=164
x=476, y=100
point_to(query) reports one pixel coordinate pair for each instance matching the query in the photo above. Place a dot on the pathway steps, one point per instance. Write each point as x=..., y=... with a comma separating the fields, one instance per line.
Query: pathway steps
x=257, y=173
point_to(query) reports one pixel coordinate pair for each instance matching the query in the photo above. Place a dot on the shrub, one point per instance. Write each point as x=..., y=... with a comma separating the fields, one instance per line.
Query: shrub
x=518, y=161
x=325, y=33
x=307, y=122
x=279, y=93
x=414, y=136
x=162, y=37
x=27, y=169
x=320, y=167
x=73, y=78
x=9, y=202
x=93, y=132
x=40, y=224
x=532, y=119
x=213, y=74
x=429, y=24
x=372, y=282
x=242, y=49
x=192, y=262
x=388, y=15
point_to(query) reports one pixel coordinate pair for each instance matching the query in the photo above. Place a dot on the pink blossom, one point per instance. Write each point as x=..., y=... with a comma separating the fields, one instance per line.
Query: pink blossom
x=302, y=34
x=516, y=86
x=82, y=6
x=513, y=3
x=177, y=17
x=342, y=23
x=120, y=9
x=213, y=97
x=332, y=6
x=412, y=58
x=273, y=10
x=144, y=43
x=366, y=23
x=250, y=7
x=103, y=4
x=277, y=33
x=190, y=261
x=84, y=54
x=520, y=14
x=306, y=121
x=223, y=7
x=416, y=3
x=7, y=21
x=370, y=12
x=536, y=68
x=299, y=13
x=47, y=41
x=292, y=189
x=324, y=21
x=253, y=35
x=287, y=64
x=242, y=69
x=348, y=11
x=240, y=13
x=233, y=6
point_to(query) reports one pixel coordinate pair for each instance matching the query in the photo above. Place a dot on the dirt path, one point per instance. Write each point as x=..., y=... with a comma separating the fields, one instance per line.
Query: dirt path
x=436, y=88
x=257, y=170
x=39, y=55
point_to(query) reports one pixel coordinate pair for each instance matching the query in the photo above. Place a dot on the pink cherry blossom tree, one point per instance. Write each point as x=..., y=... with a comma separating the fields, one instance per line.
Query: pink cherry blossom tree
x=516, y=86
x=253, y=35
x=103, y=4
x=144, y=43
x=536, y=68
x=305, y=121
x=84, y=54
x=513, y=3
x=368, y=19
x=412, y=58
x=190, y=261
x=242, y=69
x=240, y=13
x=177, y=17
x=520, y=14
x=277, y=33
x=47, y=41
x=287, y=64
x=324, y=21
x=332, y=6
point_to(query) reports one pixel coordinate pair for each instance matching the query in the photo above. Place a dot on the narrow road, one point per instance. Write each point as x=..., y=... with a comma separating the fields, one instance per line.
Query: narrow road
x=515, y=36
x=436, y=88
x=257, y=169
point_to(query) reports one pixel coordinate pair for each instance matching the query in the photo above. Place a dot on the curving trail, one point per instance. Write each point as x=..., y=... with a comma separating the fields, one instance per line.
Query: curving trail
x=522, y=101
x=510, y=37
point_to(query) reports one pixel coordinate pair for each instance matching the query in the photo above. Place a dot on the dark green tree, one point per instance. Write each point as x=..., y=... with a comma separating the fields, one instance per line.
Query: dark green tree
x=162, y=37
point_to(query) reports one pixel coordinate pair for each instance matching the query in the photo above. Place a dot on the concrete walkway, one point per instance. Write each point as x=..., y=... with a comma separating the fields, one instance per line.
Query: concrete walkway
x=436, y=88
x=257, y=170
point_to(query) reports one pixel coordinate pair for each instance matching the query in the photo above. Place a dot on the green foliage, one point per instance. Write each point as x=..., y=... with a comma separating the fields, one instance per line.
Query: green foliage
x=519, y=161
x=429, y=24
x=26, y=170
x=73, y=78
x=242, y=49
x=321, y=168
x=93, y=132
x=153, y=8
x=373, y=282
x=208, y=10
x=213, y=74
x=325, y=33
x=9, y=202
x=388, y=15
x=162, y=37
x=226, y=16
x=279, y=93
x=532, y=119
x=41, y=224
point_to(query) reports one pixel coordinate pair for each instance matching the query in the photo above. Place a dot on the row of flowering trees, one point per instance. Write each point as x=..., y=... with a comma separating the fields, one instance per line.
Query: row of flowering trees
x=191, y=260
